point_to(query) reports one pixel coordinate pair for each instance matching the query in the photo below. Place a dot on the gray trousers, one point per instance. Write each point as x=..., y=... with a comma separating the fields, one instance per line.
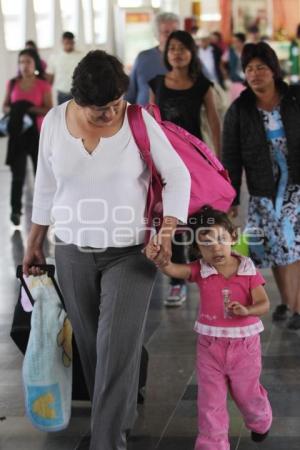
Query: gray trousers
x=107, y=296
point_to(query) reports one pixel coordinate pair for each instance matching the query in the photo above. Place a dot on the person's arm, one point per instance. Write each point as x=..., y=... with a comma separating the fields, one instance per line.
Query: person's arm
x=50, y=77
x=45, y=107
x=6, y=101
x=50, y=72
x=231, y=149
x=260, y=306
x=132, y=92
x=213, y=121
x=224, y=65
x=181, y=271
x=44, y=191
x=34, y=252
x=151, y=97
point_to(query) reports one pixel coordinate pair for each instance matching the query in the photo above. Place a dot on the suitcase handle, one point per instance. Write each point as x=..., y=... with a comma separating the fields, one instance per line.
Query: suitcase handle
x=50, y=269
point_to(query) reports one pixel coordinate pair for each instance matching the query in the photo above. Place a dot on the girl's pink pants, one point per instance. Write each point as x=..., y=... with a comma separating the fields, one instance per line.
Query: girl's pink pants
x=234, y=364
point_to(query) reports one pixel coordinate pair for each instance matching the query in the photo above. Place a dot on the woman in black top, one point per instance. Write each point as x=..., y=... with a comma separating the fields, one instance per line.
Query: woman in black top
x=180, y=95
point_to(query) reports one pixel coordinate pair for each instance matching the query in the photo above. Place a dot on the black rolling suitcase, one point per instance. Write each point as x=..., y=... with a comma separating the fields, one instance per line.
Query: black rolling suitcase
x=20, y=334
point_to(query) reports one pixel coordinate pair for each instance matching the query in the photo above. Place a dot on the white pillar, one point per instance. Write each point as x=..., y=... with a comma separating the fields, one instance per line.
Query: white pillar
x=4, y=73
x=57, y=23
x=185, y=10
x=80, y=38
x=111, y=40
x=92, y=24
x=30, y=23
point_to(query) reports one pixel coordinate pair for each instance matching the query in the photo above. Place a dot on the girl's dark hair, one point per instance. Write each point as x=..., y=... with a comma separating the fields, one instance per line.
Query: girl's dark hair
x=187, y=40
x=265, y=53
x=98, y=79
x=37, y=61
x=206, y=218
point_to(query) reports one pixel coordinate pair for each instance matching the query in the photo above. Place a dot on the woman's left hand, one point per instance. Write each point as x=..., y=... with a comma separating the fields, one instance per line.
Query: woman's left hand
x=152, y=249
x=238, y=309
x=164, y=244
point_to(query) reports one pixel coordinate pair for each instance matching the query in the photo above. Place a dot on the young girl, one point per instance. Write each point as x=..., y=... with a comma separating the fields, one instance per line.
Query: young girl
x=228, y=348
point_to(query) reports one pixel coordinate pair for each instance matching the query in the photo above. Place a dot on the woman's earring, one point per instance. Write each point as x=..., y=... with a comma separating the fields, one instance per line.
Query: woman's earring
x=36, y=72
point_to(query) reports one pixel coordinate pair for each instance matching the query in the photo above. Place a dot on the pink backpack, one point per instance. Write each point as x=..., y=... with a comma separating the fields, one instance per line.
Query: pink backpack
x=210, y=182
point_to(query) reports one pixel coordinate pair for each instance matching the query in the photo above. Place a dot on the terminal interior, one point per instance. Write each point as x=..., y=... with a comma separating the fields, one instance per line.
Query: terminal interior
x=167, y=418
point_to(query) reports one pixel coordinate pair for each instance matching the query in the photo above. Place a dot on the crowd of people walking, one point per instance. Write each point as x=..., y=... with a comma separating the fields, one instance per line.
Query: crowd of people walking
x=89, y=174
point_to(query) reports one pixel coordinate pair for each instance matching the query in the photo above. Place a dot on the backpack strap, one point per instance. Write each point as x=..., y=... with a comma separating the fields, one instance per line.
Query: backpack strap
x=154, y=111
x=11, y=86
x=140, y=134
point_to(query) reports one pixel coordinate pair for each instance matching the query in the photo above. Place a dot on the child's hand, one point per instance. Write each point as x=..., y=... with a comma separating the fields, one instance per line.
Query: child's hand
x=152, y=249
x=238, y=309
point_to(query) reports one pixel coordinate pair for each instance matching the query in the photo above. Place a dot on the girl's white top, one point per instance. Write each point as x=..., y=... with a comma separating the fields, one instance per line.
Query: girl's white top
x=98, y=200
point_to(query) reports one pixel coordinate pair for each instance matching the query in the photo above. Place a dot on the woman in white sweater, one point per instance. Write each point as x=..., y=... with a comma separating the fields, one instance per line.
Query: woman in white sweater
x=92, y=185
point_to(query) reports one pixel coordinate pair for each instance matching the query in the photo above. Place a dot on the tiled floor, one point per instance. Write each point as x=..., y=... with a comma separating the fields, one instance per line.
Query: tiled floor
x=167, y=420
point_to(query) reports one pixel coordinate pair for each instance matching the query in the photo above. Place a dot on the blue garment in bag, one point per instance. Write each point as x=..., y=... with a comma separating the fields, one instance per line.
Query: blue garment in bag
x=47, y=366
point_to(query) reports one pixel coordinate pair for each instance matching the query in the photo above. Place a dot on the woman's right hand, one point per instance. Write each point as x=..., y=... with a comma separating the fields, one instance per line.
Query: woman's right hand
x=33, y=255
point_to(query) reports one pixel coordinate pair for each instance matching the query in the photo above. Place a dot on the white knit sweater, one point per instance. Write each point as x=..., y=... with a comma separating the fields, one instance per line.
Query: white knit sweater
x=98, y=200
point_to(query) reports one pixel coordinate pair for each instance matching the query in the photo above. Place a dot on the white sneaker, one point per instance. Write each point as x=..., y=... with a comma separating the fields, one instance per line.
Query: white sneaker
x=177, y=295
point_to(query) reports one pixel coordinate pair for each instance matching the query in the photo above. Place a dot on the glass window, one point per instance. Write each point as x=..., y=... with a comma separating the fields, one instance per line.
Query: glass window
x=130, y=3
x=69, y=15
x=156, y=3
x=100, y=20
x=14, y=23
x=87, y=21
x=210, y=11
x=170, y=5
x=44, y=16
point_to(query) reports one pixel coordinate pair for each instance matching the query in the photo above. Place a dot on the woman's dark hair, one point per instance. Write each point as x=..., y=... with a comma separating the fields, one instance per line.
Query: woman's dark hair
x=98, y=79
x=265, y=53
x=206, y=218
x=187, y=40
x=37, y=61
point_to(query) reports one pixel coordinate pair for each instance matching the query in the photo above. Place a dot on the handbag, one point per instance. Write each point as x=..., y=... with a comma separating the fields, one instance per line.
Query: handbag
x=4, y=121
x=3, y=125
x=47, y=365
x=20, y=330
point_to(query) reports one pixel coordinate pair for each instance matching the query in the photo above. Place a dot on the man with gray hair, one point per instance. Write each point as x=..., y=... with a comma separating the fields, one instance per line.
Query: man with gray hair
x=149, y=63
